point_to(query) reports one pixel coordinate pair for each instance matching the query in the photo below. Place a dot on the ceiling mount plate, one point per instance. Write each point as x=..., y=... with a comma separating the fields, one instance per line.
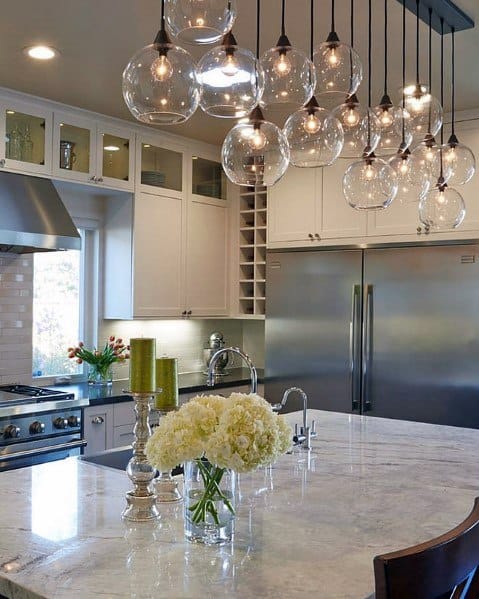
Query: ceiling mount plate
x=452, y=14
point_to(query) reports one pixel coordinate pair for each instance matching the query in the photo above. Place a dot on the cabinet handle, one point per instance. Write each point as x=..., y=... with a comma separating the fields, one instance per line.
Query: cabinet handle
x=183, y=313
x=2, y=162
x=99, y=180
x=317, y=236
x=310, y=235
x=98, y=420
x=419, y=230
x=93, y=179
x=189, y=313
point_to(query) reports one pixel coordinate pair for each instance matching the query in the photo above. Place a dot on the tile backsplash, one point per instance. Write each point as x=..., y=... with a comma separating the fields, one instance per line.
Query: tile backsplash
x=16, y=313
x=183, y=339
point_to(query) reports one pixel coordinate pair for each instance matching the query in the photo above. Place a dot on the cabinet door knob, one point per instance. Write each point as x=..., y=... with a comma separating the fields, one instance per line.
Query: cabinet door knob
x=310, y=235
x=419, y=230
x=183, y=313
x=317, y=236
x=98, y=420
x=188, y=313
x=2, y=162
x=93, y=179
x=99, y=180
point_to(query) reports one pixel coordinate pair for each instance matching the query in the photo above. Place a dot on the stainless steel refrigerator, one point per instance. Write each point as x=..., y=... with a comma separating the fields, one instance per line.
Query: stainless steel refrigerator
x=388, y=332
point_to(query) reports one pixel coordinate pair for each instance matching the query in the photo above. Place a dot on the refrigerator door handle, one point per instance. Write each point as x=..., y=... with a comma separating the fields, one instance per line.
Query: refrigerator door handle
x=353, y=345
x=367, y=346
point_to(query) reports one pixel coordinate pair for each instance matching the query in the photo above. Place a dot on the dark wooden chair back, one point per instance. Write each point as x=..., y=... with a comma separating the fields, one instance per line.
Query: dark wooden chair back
x=444, y=568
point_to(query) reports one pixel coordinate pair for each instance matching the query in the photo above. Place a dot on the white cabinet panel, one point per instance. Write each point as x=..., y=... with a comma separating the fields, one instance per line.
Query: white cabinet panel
x=158, y=256
x=206, y=259
x=338, y=218
x=98, y=428
x=123, y=435
x=292, y=206
x=398, y=219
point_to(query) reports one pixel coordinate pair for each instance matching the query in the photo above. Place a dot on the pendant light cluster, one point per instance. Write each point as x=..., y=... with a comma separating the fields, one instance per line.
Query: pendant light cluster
x=394, y=145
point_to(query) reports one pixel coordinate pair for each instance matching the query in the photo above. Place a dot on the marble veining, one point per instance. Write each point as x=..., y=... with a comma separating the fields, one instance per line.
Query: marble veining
x=311, y=524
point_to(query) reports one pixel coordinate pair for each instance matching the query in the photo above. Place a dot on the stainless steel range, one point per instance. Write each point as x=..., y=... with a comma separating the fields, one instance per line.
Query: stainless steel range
x=38, y=425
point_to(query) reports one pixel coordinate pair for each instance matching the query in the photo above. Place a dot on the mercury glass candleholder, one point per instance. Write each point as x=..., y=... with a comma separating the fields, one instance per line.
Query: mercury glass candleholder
x=165, y=485
x=141, y=501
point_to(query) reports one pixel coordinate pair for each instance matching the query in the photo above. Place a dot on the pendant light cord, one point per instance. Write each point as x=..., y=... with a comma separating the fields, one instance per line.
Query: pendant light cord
x=352, y=24
x=441, y=175
x=417, y=41
x=403, y=73
x=453, y=81
x=333, y=14
x=311, y=39
x=258, y=11
x=385, y=47
x=430, y=71
x=163, y=14
x=370, y=35
x=283, y=10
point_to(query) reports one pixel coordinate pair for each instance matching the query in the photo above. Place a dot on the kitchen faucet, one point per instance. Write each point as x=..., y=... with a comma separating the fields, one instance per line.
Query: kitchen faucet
x=303, y=436
x=210, y=381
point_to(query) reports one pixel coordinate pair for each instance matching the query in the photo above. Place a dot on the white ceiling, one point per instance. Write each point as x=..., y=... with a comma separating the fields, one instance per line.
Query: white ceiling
x=97, y=37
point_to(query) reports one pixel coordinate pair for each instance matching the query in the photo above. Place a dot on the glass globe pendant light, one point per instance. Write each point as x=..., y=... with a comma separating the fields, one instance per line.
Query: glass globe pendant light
x=314, y=135
x=371, y=183
x=424, y=109
x=393, y=120
x=413, y=180
x=339, y=71
x=443, y=207
x=289, y=74
x=459, y=158
x=360, y=125
x=231, y=80
x=160, y=86
x=200, y=21
x=255, y=152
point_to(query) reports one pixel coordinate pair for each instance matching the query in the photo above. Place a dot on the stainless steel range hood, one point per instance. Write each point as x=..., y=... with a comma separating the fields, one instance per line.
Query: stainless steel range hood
x=33, y=217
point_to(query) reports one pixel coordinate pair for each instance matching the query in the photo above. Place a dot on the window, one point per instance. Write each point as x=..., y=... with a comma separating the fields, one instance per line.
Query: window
x=63, y=295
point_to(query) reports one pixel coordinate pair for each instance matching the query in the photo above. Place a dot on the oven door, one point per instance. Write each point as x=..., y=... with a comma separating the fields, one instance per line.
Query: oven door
x=19, y=455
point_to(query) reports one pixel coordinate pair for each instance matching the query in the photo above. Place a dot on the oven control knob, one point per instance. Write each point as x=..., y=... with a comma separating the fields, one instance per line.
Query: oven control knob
x=36, y=427
x=11, y=431
x=73, y=421
x=60, y=423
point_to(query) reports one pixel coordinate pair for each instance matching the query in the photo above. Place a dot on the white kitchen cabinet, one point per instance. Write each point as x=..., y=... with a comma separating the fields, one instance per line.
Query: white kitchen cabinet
x=98, y=428
x=92, y=151
x=294, y=206
x=26, y=129
x=166, y=256
x=158, y=242
x=207, y=258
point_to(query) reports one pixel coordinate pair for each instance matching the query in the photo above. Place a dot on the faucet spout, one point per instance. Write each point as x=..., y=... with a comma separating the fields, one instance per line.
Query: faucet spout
x=210, y=380
x=303, y=396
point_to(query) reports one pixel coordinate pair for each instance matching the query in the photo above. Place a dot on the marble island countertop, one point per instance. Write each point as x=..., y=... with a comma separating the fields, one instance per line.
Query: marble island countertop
x=310, y=525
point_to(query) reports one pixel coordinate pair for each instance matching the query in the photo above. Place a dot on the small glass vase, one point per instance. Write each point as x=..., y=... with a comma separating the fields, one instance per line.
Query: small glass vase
x=209, y=503
x=100, y=376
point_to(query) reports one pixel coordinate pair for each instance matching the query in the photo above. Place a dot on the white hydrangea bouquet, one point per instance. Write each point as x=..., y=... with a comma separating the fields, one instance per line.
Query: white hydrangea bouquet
x=239, y=433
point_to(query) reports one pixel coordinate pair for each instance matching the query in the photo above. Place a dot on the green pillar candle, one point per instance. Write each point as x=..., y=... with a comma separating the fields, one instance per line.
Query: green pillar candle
x=167, y=380
x=142, y=365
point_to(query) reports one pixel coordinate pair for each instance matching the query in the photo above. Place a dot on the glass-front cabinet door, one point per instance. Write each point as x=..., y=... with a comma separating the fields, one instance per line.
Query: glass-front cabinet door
x=26, y=131
x=159, y=167
x=74, y=147
x=115, y=157
x=208, y=178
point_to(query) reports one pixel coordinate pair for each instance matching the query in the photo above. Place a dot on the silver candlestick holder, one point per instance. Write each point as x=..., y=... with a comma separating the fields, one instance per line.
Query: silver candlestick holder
x=141, y=501
x=166, y=487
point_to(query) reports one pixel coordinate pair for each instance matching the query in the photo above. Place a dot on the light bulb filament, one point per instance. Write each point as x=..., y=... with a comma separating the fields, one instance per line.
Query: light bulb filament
x=311, y=124
x=333, y=59
x=230, y=65
x=282, y=65
x=257, y=141
x=352, y=117
x=161, y=68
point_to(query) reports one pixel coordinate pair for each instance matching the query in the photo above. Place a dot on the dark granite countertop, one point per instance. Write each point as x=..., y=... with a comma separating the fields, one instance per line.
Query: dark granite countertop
x=188, y=382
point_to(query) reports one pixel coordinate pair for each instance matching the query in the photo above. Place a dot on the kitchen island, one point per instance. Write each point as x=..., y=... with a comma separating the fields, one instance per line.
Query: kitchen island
x=311, y=524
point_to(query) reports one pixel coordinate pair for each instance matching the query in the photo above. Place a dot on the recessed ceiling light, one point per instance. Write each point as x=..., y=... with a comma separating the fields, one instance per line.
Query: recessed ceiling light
x=111, y=148
x=41, y=52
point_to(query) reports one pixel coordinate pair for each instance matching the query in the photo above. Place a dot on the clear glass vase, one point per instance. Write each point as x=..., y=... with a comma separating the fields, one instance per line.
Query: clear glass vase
x=100, y=375
x=209, y=503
